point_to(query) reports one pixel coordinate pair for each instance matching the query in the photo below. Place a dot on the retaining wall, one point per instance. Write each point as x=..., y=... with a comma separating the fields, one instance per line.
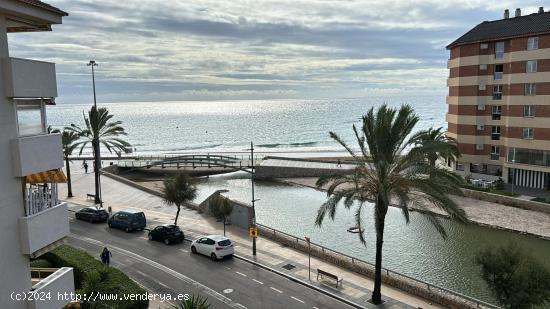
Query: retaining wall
x=507, y=200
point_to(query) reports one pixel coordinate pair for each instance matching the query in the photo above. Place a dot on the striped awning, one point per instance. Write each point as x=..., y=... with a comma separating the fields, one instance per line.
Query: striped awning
x=51, y=176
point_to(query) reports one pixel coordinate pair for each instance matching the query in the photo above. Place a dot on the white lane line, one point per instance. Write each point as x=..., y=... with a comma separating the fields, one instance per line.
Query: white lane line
x=227, y=267
x=259, y=282
x=276, y=290
x=183, y=250
x=297, y=299
x=315, y=307
x=244, y=275
x=228, y=301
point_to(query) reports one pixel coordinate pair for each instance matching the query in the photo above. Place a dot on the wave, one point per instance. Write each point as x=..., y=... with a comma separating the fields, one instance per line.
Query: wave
x=191, y=147
x=277, y=145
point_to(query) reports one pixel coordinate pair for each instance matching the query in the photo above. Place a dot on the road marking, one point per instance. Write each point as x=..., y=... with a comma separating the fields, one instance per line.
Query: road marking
x=244, y=275
x=315, y=307
x=276, y=290
x=227, y=267
x=166, y=269
x=257, y=281
x=183, y=250
x=297, y=299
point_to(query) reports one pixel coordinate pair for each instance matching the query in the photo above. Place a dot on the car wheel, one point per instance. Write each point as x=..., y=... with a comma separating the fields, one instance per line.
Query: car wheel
x=127, y=230
x=213, y=257
x=150, y=237
x=91, y=220
x=166, y=241
x=194, y=250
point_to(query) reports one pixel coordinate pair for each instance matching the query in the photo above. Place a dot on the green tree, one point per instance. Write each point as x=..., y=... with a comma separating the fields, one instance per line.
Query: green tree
x=194, y=302
x=99, y=130
x=69, y=141
x=436, y=145
x=93, y=283
x=385, y=173
x=178, y=190
x=517, y=280
x=221, y=208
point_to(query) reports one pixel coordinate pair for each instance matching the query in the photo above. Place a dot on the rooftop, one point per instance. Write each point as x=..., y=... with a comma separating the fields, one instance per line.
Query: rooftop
x=536, y=23
x=30, y=15
x=45, y=6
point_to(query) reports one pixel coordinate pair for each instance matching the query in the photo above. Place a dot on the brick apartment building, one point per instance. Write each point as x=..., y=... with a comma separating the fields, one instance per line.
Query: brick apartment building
x=499, y=99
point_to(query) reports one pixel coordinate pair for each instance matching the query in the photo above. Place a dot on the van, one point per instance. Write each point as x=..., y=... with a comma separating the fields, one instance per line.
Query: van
x=128, y=220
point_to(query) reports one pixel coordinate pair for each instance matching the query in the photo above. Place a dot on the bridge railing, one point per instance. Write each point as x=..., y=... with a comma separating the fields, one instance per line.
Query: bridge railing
x=236, y=161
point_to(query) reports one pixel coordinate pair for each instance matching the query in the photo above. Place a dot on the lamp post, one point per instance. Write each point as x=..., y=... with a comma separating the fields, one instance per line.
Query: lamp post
x=253, y=198
x=513, y=170
x=309, y=256
x=95, y=144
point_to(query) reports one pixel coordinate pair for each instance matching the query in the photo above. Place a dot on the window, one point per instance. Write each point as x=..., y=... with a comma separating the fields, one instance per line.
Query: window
x=528, y=133
x=531, y=66
x=497, y=92
x=495, y=133
x=499, y=70
x=496, y=112
x=529, y=111
x=532, y=43
x=483, y=67
x=459, y=166
x=530, y=89
x=30, y=117
x=483, y=46
x=499, y=50
x=495, y=152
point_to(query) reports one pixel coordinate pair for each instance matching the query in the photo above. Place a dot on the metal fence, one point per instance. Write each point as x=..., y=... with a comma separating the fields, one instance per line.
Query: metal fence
x=359, y=262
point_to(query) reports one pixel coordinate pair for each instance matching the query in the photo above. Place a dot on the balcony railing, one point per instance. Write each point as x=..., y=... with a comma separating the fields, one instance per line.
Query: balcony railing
x=42, y=229
x=495, y=116
x=495, y=136
x=40, y=197
x=37, y=153
x=56, y=282
x=495, y=156
x=26, y=78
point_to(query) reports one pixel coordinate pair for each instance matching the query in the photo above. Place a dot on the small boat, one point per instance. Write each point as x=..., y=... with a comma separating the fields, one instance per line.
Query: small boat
x=355, y=230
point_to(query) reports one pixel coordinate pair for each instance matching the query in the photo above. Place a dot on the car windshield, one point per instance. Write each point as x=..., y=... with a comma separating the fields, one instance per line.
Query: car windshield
x=225, y=242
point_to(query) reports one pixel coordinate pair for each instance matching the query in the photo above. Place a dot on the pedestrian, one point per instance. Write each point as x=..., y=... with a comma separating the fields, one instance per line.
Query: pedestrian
x=339, y=163
x=106, y=256
x=85, y=164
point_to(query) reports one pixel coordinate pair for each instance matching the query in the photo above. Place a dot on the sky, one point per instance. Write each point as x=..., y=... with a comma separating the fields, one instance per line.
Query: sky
x=160, y=50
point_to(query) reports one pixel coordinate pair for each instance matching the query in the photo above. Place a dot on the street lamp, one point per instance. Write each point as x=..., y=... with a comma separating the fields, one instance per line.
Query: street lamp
x=253, y=199
x=513, y=170
x=95, y=145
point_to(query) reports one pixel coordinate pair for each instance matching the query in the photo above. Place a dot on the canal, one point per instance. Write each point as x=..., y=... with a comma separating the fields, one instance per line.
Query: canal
x=415, y=249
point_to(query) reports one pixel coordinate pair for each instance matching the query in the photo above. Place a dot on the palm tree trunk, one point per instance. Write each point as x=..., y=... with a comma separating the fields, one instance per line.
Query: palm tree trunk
x=376, y=293
x=177, y=215
x=97, y=161
x=69, y=186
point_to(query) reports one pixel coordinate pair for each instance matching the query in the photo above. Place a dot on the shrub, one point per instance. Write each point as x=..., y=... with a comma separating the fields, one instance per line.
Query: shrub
x=541, y=200
x=41, y=263
x=113, y=281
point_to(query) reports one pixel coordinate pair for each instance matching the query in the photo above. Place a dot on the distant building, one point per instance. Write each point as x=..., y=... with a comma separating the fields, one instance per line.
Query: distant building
x=32, y=219
x=499, y=99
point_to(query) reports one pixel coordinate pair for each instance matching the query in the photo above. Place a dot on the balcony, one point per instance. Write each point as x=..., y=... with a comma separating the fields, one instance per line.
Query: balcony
x=495, y=136
x=29, y=78
x=56, y=282
x=42, y=227
x=37, y=153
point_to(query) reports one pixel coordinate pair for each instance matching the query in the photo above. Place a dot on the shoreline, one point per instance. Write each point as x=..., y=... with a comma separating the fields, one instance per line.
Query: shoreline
x=303, y=182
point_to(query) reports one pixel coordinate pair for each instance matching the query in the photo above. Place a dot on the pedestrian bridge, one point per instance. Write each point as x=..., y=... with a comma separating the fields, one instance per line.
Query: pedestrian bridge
x=233, y=162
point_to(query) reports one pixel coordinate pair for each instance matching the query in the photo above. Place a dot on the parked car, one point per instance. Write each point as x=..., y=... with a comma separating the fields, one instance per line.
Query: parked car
x=214, y=246
x=128, y=220
x=92, y=215
x=167, y=233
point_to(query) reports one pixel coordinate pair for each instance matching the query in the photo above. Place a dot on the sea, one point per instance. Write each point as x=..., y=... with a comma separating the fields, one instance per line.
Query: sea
x=274, y=126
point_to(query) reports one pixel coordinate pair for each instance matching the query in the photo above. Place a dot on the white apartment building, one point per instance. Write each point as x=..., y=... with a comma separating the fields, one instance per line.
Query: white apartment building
x=32, y=219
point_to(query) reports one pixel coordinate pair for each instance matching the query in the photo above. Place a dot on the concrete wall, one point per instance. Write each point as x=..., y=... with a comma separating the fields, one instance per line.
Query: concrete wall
x=506, y=200
x=61, y=281
x=14, y=266
x=263, y=171
x=37, y=153
x=44, y=228
x=29, y=78
x=241, y=215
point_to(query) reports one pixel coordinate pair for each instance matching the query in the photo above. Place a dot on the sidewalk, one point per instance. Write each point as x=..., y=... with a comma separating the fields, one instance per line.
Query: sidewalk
x=272, y=254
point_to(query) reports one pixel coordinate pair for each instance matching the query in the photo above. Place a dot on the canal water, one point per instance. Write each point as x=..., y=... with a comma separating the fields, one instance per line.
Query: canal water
x=415, y=249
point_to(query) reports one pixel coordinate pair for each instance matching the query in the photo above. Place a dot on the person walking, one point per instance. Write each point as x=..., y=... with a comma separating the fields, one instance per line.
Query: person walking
x=85, y=164
x=106, y=256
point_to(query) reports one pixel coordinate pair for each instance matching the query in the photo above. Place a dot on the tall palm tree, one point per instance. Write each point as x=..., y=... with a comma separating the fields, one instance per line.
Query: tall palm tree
x=99, y=130
x=179, y=190
x=442, y=146
x=385, y=173
x=69, y=142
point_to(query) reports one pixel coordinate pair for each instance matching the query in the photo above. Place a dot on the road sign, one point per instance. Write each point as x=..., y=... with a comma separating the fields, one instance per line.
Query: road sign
x=253, y=232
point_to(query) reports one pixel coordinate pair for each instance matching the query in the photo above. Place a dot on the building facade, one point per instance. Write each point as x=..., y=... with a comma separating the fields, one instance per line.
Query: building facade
x=499, y=99
x=32, y=219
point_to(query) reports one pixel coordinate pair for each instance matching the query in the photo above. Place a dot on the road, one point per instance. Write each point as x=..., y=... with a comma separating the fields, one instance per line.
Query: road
x=230, y=283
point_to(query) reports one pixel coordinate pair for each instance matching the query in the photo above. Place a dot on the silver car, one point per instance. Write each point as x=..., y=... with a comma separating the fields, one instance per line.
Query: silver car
x=215, y=246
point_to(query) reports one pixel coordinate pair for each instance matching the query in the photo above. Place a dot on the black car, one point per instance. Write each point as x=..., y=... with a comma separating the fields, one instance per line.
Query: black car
x=168, y=234
x=92, y=215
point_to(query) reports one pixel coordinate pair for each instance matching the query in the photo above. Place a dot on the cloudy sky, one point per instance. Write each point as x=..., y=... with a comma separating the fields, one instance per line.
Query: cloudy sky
x=159, y=50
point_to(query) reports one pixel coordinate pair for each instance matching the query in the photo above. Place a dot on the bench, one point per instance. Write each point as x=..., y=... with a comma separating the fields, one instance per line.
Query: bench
x=332, y=276
x=92, y=196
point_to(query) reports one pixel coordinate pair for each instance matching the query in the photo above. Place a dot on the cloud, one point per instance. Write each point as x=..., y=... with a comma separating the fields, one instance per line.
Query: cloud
x=178, y=50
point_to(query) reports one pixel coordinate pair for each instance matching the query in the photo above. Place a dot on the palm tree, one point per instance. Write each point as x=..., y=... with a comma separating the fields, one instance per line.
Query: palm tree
x=179, y=190
x=68, y=140
x=221, y=208
x=195, y=302
x=442, y=146
x=384, y=172
x=100, y=130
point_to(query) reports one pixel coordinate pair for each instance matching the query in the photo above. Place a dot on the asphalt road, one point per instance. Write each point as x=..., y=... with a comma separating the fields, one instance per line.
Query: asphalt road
x=230, y=283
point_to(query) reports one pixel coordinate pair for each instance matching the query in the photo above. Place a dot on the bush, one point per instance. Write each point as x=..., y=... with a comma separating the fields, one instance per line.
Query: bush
x=41, y=263
x=112, y=280
x=541, y=200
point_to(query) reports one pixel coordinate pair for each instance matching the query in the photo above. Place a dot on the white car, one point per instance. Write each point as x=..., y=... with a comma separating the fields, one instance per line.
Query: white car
x=214, y=246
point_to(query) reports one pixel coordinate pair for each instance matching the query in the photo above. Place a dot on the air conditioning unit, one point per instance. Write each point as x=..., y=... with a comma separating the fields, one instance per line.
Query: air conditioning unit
x=480, y=127
x=479, y=146
x=483, y=46
x=481, y=107
x=482, y=87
